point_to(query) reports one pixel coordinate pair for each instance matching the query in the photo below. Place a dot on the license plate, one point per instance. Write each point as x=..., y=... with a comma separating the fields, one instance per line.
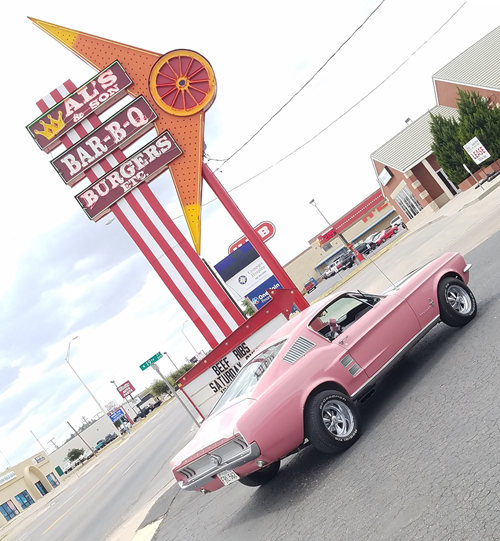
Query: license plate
x=227, y=477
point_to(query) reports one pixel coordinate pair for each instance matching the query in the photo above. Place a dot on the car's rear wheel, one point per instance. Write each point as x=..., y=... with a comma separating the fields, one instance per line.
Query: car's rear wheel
x=332, y=421
x=262, y=476
x=457, y=304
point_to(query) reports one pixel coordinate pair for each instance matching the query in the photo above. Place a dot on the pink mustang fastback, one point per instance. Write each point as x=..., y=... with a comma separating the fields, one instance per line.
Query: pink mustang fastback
x=303, y=384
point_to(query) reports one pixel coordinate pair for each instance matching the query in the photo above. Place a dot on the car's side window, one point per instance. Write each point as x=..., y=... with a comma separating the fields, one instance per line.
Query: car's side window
x=340, y=314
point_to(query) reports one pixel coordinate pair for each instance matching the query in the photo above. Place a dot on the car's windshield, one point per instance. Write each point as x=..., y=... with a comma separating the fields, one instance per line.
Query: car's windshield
x=249, y=375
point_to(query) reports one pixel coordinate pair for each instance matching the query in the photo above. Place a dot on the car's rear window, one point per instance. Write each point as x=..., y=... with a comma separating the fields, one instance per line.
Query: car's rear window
x=249, y=375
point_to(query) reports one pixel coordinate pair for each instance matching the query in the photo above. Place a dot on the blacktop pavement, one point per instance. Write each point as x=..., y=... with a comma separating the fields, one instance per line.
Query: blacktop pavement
x=159, y=510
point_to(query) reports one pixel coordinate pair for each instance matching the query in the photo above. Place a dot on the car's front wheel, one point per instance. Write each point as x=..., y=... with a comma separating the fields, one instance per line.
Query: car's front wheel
x=332, y=421
x=457, y=304
x=262, y=476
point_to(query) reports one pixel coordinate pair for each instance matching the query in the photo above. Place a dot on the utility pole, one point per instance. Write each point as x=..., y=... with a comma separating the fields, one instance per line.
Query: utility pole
x=172, y=390
x=39, y=442
x=6, y=459
x=53, y=443
x=77, y=434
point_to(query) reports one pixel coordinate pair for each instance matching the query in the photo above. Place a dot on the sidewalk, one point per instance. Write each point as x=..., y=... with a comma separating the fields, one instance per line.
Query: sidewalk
x=460, y=201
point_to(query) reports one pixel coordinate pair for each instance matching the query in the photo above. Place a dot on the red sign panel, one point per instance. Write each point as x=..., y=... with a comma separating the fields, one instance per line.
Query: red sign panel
x=143, y=166
x=125, y=389
x=119, y=131
x=266, y=230
x=352, y=216
x=93, y=97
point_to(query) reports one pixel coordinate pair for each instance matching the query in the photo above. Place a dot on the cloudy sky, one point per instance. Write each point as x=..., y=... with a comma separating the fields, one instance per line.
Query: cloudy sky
x=64, y=276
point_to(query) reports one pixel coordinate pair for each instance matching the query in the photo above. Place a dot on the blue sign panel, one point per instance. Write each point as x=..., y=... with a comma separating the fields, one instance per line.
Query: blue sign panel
x=259, y=295
x=235, y=262
x=116, y=414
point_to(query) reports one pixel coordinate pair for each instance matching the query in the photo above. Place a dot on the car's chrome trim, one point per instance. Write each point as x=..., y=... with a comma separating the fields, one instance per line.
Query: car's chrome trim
x=247, y=455
x=467, y=267
x=398, y=355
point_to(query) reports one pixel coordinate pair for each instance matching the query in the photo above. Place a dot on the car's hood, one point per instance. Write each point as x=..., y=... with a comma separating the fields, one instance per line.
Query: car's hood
x=215, y=430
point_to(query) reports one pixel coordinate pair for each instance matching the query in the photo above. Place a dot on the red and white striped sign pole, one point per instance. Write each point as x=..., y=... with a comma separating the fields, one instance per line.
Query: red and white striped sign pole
x=170, y=254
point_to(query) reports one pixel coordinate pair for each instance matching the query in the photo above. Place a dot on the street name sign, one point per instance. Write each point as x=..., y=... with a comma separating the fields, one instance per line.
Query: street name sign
x=151, y=361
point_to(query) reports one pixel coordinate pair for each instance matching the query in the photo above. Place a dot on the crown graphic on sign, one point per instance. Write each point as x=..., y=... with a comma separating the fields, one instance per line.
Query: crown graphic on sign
x=52, y=129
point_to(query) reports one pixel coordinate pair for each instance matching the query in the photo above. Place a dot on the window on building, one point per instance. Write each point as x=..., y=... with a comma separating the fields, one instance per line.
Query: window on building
x=24, y=499
x=8, y=510
x=408, y=203
x=52, y=479
x=41, y=488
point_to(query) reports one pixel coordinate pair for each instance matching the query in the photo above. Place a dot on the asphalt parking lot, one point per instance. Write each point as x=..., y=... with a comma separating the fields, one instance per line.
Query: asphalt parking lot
x=427, y=465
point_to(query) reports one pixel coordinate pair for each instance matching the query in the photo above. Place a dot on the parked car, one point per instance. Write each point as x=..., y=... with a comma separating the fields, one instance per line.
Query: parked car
x=303, y=384
x=347, y=260
x=310, y=285
x=386, y=234
x=330, y=271
x=157, y=404
x=100, y=444
x=110, y=437
x=398, y=221
x=88, y=454
x=371, y=238
x=365, y=247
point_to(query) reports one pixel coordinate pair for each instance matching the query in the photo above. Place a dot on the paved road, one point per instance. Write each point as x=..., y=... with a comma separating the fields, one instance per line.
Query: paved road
x=125, y=479
x=426, y=466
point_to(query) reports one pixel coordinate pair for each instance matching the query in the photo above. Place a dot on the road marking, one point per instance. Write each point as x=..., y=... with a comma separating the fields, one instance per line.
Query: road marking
x=96, y=484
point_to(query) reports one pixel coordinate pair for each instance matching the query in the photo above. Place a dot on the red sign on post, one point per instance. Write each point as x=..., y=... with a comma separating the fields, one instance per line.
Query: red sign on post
x=125, y=389
x=95, y=96
x=119, y=131
x=143, y=166
x=266, y=230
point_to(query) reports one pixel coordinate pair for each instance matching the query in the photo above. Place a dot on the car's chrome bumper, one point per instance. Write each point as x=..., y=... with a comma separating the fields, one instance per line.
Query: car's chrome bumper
x=197, y=481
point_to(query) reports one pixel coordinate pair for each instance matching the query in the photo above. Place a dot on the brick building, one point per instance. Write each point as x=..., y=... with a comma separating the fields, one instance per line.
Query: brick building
x=406, y=169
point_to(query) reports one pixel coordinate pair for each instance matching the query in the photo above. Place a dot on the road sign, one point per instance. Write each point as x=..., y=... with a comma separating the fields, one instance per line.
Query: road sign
x=116, y=414
x=151, y=361
x=125, y=389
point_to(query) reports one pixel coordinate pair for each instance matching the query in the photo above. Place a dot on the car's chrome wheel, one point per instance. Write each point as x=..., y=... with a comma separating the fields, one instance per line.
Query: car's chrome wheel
x=337, y=418
x=331, y=421
x=457, y=304
x=459, y=299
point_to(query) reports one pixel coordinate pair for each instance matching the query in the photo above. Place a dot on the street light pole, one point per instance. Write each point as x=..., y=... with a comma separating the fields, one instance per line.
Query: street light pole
x=80, y=379
x=342, y=238
x=170, y=359
x=185, y=336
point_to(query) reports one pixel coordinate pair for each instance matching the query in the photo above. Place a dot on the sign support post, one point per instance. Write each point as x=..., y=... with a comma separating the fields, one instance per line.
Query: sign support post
x=156, y=368
x=254, y=238
x=472, y=175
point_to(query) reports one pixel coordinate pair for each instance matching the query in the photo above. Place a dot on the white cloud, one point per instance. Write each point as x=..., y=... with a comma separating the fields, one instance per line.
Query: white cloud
x=62, y=275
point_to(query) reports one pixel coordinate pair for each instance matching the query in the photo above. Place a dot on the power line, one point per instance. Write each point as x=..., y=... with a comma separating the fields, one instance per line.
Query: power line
x=363, y=98
x=342, y=115
x=302, y=87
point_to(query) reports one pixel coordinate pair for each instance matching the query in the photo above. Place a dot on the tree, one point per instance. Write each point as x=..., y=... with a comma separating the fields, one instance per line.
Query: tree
x=475, y=119
x=159, y=387
x=478, y=119
x=74, y=454
x=447, y=148
x=247, y=307
x=174, y=376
